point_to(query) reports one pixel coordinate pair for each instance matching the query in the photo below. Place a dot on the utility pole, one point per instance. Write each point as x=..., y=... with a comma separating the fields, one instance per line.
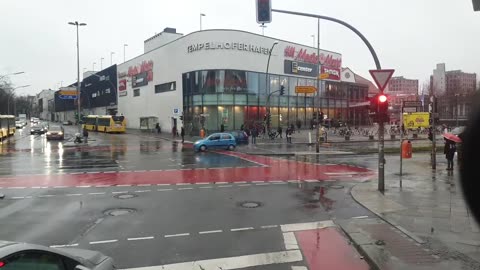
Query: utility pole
x=317, y=126
x=77, y=24
x=433, y=115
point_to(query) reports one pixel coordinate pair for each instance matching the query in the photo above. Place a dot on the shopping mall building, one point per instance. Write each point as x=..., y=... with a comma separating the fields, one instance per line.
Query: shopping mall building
x=215, y=77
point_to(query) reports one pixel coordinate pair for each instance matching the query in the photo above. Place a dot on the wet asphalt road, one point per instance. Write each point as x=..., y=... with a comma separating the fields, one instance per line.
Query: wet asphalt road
x=153, y=224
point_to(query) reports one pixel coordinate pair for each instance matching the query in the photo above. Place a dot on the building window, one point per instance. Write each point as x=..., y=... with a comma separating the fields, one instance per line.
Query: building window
x=165, y=87
x=136, y=92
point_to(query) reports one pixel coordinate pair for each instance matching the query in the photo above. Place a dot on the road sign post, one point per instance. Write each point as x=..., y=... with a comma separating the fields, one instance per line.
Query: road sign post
x=381, y=78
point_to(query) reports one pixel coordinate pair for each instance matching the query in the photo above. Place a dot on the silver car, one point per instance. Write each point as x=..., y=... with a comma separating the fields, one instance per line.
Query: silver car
x=23, y=256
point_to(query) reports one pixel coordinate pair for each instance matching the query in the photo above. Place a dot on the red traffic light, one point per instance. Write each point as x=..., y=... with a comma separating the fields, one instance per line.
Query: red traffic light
x=382, y=98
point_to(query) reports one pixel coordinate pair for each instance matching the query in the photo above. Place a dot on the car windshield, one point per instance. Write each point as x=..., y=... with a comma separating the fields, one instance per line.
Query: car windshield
x=240, y=134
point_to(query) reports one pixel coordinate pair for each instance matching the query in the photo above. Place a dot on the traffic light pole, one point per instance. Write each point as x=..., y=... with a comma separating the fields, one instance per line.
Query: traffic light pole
x=434, y=146
x=317, y=136
x=381, y=160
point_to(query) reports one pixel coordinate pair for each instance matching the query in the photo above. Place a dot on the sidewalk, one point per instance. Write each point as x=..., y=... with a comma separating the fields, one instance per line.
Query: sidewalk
x=428, y=212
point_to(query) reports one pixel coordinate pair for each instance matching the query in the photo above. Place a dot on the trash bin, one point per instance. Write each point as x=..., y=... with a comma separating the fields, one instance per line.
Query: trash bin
x=406, y=149
x=202, y=133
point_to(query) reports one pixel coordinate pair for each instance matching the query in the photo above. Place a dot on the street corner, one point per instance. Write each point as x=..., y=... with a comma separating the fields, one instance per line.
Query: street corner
x=324, y=246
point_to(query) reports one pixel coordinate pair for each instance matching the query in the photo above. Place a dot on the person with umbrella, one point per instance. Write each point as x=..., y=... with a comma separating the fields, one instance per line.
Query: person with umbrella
x=450, y=148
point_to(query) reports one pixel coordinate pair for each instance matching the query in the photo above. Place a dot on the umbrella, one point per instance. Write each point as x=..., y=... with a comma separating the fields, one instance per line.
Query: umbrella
x=452, y=137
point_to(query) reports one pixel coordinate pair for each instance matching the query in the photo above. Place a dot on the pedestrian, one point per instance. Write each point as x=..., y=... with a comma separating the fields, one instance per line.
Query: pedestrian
x=157, y=127
x=182, y=133
x=288, y=134
x=449, y=151
x=222, y=128
x=85, y=134
x=299, y=125
x=279, y=131
x=254, y=135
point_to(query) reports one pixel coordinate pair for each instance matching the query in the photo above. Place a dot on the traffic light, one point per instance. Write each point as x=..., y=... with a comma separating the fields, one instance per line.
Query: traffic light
x=282, y=90
x=382, y=112
x=181, y=117
x=264, y=11
x=430, y=134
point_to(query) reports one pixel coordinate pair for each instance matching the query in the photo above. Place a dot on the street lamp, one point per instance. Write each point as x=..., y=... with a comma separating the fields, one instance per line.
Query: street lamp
x=77, y=24
x=111, y=57
x=11, y=95
x=15, y=73
x=201, y=15
x=267, y=84
x=124, y=46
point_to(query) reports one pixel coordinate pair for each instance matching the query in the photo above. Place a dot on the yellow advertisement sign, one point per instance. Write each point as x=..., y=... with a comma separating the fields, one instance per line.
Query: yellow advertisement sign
x=416, y=120
x=305, y=89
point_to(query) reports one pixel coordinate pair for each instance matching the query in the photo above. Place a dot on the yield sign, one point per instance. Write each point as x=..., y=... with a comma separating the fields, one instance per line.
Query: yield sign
x=381, y=77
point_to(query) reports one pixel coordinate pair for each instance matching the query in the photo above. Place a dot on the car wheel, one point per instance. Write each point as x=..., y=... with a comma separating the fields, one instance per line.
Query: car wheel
x=203, y=148
x=231, y=147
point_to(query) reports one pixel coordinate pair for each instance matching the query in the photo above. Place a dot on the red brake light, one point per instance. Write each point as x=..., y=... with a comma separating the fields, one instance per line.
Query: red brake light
x=382, y=98
x=2, y=264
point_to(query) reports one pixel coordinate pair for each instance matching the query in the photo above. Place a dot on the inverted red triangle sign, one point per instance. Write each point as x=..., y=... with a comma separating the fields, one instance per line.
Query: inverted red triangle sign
x=382, y=77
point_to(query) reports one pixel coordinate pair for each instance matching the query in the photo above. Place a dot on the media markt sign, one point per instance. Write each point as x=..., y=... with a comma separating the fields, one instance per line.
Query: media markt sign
x=237, y=46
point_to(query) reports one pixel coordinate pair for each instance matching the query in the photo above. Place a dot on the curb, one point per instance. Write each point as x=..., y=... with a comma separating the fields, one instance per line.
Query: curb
x=372, y=263
x=392, y=223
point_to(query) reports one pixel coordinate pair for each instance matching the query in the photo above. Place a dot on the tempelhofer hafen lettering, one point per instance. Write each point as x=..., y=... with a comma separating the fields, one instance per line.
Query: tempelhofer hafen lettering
x=228, y=46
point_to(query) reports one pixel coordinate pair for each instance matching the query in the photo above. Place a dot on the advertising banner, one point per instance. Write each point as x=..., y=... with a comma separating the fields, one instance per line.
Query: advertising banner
x=300, y=68
x=416, y=120
x=334, y=74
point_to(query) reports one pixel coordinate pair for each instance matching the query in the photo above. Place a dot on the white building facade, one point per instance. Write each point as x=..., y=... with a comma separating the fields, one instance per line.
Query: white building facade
x=44, y=105
x=217, y=77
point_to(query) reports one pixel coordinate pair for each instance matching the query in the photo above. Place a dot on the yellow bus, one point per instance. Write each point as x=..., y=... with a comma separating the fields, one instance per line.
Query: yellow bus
x=105, y=123
x=90, y=122
x=111, y=124
x=7, y=125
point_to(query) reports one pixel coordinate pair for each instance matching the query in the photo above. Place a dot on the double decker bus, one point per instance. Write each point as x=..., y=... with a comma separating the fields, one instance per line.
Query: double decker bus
x=105, y=123
x=7, y=126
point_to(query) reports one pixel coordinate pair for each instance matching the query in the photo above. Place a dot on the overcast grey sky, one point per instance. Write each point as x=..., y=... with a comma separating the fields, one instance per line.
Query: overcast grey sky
x=410, y=36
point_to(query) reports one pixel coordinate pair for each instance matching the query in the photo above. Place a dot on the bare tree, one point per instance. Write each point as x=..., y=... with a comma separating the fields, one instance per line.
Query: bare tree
x=5, y=92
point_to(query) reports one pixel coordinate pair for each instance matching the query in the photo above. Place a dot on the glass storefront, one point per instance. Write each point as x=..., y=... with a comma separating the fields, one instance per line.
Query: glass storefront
x=238, y=98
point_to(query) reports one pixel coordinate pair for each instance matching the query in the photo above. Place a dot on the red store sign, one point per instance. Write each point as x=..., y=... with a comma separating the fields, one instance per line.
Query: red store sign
x=302, y=56
x=333, y=73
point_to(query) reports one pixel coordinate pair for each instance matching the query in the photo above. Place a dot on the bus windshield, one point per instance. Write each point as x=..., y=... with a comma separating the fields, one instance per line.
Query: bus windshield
x=118, y=119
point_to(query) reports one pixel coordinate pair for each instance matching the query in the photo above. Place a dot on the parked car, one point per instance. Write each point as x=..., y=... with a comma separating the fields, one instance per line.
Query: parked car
x=216, y=141
x=38, y=129
x=241, y=137
x=67, y=123
x=55, y=132
x=14, y=255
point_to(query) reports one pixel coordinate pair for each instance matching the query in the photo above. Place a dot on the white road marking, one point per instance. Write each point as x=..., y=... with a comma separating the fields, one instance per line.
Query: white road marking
x=276, y=181
x=202, y=183
x=307, y=226
x=144, y=185
x=118, y=192
x=238, y=262
x=45, y=196
x=206, y=187
x=59, y=246
x=156, y=170
x=299, y=268
x=59, y=186
x=311, y=180
x=36, y=187
x=280, y=183
x=182, y=184
x=83, y=186
x=268, y=226
x=262, y=184
x=165, y=189
x=103, y=242
x=140, y=238
x=124, y=185
x=140, y=171
x=18, y=198
x=208, y=232
x=258, y=181
x=245, y=185
x=93, y=172
x=359, y=217
x=16, y=187
x=241, y=229
x=221, y=183
x=290, y=240
x=293, y=181
x=141, y=191
x=96, y=193
x=76, y=173
x=110, y=171
x=225, y=186
x=241, y=182
x=73, y=194
x=185, y=188
x=176, y=235
x=103, y=186
x=163, y=184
